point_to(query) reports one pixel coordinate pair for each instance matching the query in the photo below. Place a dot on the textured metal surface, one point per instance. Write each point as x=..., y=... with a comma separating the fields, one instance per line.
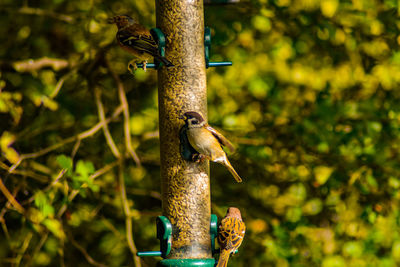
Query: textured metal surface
x=185, y=185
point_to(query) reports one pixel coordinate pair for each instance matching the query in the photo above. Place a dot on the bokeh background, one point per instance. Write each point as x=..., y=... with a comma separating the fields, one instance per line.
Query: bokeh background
x=311, y=102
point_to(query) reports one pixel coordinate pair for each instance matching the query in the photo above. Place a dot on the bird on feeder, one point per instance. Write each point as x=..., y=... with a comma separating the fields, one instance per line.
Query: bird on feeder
x=207, y=141
x=137, y=40
x=231, y=232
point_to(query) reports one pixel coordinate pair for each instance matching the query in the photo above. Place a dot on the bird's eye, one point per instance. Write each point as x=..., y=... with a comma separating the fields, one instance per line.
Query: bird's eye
x=195, y=122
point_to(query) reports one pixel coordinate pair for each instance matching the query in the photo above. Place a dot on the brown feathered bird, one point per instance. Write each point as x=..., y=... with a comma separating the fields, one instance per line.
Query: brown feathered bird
x=230, y=235
x=137, y=40
x=207, y=141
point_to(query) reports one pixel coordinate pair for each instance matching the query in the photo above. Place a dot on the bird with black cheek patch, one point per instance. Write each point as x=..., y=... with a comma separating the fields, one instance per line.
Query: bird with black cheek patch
x=231, y=232
x=207, y=141
x=137, y=40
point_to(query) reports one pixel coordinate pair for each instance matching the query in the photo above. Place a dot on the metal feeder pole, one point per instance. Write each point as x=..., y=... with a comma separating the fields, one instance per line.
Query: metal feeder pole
x=185, y=185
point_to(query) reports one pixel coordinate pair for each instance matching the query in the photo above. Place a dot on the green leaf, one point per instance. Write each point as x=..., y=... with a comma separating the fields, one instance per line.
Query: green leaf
x=42, y=202
x=55, y=227
x=84, y=169
x=65, y=163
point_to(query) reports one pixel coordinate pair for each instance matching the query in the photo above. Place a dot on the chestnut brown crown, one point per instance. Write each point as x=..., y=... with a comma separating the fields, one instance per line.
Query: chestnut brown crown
x=193, y=118
x=234, y=212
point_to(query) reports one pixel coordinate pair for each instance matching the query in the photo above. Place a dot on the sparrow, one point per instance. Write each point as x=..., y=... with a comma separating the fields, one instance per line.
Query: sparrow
x=137, y=40
x=207, y=141
x=230, y=235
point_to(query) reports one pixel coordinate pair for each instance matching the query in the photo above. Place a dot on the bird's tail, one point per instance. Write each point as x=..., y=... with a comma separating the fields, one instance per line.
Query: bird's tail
x=232, y=170
x=165, y=61
x=223, y=258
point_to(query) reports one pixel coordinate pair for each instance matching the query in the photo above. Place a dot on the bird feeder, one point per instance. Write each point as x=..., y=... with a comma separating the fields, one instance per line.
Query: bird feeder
x=187, y=230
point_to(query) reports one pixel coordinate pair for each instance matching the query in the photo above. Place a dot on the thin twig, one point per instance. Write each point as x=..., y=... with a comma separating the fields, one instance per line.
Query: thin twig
x=11, y=198
x=99, y=125
x=75, y=149
x=102, y=118
x=31, y=174
x=124, y=104
x=60, y=83
x=4, y=210
x=15, y=165
x=80, y=136
x=5, y=229
x=32, y=65
x=57, y=89
x=39, y=246
x=59, y=176
x=141, y=192
x=24, y=247
x=112, y=228
x=84, y=252
x=75, y=192
x=40, y=167
x=128, y=216
x=42, y=12
x=151, y=135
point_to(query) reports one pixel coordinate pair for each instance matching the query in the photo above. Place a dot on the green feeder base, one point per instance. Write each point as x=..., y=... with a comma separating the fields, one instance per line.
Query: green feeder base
x=187, y=262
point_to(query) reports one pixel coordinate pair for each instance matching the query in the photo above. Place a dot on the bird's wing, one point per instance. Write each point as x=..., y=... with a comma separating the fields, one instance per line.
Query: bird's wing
x=231, y=233
x=222, y=140
x=142, y=42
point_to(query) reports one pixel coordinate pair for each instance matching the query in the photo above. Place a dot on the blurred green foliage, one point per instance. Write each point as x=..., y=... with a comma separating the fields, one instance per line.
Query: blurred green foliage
x=311, y=102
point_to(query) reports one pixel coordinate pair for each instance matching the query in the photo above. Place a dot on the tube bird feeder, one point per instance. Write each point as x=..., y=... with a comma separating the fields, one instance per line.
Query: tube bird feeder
x=185, y=184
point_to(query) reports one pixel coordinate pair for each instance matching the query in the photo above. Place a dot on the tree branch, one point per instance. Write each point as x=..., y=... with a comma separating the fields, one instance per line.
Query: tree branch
x=11, y=198
x=124, y=104
x=75, y=192
x=102, y=118
x=42, y=12
x=80, y=136
x=128, y=216
x=84, y=252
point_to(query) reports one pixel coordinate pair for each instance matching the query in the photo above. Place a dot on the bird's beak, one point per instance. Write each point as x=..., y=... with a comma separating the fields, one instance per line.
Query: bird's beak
x=182, y=117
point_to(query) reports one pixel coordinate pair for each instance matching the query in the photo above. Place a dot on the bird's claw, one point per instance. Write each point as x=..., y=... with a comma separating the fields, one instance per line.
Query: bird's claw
x=144, y=65
x=134, y=64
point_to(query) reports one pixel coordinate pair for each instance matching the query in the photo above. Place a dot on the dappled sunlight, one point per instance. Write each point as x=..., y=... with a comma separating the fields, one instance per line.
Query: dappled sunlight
x=311, y=103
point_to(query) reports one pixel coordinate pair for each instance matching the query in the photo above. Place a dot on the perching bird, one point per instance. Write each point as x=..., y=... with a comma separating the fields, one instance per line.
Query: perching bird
x=230, y=235
x=137, y=40
x=207, y=141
